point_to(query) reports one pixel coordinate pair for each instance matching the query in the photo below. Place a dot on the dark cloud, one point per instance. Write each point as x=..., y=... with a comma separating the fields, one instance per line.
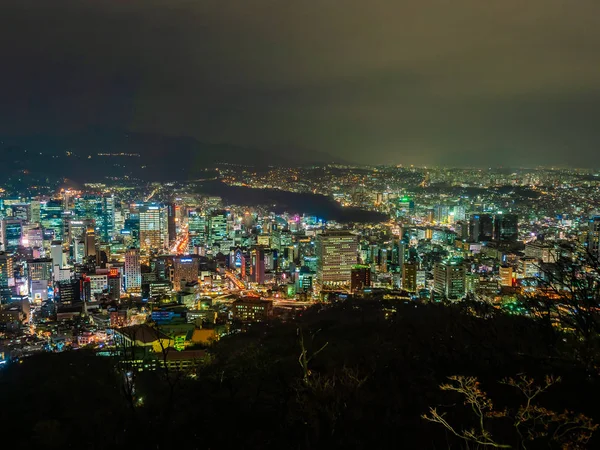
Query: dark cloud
x=426, y=82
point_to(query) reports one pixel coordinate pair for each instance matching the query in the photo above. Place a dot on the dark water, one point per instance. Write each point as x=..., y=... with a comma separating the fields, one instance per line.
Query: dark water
x=291, y=202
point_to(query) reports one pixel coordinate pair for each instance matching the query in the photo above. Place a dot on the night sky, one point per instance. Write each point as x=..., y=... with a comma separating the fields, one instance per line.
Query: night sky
x=466, y=82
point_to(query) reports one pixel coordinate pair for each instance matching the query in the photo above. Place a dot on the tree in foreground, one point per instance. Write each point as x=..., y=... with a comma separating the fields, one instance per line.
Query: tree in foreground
x=529, y=423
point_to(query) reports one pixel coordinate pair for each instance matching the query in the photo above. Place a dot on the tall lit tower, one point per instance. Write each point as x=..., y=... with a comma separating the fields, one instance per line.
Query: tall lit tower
x=99, y=208
x=258, y=264
x=197, y=228
x=218, y=226
x=154, y=234
x=449, y=279
x=133, y=272
x=336, y=255
x=6, y=276
x=11, y=231
x=593, y=235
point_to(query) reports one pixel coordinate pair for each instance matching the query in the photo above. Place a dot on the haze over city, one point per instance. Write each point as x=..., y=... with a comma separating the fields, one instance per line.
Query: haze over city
x=462, y=83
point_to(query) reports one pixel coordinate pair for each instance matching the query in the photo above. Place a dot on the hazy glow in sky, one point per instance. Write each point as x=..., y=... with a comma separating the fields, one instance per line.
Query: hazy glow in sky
x=396, y=81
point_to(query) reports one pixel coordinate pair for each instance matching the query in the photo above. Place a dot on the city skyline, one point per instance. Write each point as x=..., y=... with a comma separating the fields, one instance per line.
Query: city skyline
x=267, y=224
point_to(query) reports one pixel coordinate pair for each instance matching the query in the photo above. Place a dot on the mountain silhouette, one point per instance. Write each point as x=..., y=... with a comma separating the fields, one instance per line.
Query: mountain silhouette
x=95, y=154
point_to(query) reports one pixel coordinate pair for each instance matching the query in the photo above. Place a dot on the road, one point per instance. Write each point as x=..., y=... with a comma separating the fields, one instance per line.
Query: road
x=234, y=279
x=181, y=244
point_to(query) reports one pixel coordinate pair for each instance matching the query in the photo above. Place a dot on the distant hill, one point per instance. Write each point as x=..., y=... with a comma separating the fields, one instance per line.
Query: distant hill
x=96, y=154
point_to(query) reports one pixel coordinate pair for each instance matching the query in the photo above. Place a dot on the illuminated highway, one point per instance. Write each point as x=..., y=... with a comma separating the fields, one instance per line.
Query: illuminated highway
x=234, y=279
x=181, y=244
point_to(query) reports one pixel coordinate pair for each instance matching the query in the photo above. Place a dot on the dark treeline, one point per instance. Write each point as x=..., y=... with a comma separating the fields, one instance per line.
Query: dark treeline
x=354, y=375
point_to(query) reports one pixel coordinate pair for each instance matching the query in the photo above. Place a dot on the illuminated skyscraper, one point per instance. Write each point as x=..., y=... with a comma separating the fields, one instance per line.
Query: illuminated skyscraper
x=441, y=213
x=217, y=227
x=172, y=222
x=99, y=208
x=258, y=264
x=593, y=236
x=11, y=233
x=185, y=270
x=51, y=217
x=75, y=229
x=58, y=256
x=6, y=276
x=21, y=211
x=154, y=234
x=90, y=242
x=133, y=272
x=406, y=206
x=449, y=279
x=506, y=276
x=197, y=229
x=336, y=255
x=40, y=269
x=34, y=211
x=409, y=277
x=131, y=229
x=458, y=213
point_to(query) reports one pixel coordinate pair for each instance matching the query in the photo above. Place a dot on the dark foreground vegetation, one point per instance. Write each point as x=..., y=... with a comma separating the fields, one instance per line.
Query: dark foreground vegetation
x=359, y=375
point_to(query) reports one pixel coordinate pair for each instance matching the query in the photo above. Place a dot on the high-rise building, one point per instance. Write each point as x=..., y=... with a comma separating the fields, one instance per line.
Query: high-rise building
x=506, y=276
x=99, y=208
x=506, y=228
x=441, y=213
x=185, y=270
x=481, y=227
x=172, y=222
x=39, y=269
x=133, y=272
x=90, y=242
x=6, y=276
x=79, y=250
x=217, y=227
x=336, y=255
x=406, y=206
x=154, y=233
x=547, y=253
x=131, y=230
x=257, y=255
x=68, y=291
x=398, y=253
x=114, y=284
x=197, y=229
x=360, y=277
x=57, y=254
x=34, y=238
x=75, y=229
x=383, y=260
x=593, y=236
x=458, y=213
x=449, y=279
x=34, y=211
x=21, y=211
x=11, y=233
x=409, y=277
x=51, y=217
x=471, y=282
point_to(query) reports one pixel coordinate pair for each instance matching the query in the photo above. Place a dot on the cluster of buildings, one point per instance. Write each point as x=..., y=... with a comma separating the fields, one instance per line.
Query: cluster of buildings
x=82, y=267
